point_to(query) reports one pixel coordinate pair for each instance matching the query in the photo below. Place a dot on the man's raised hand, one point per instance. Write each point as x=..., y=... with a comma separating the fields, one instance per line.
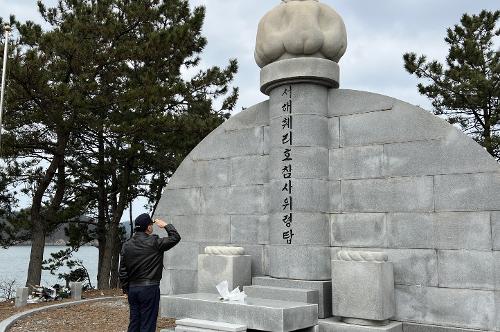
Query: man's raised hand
x=160, y=223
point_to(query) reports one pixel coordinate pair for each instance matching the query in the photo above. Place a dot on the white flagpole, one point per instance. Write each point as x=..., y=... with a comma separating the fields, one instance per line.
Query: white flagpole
x=6, y=30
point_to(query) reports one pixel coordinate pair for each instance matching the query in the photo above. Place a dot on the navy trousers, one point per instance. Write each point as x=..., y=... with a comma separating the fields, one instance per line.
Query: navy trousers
x=144, y=303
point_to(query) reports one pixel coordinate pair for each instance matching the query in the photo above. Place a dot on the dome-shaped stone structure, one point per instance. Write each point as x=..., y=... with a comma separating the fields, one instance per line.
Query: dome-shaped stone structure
x=400, y=181
x=356, y=171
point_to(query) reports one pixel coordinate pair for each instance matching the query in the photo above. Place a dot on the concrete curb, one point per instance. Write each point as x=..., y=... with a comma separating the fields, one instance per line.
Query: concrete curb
x=6, y=323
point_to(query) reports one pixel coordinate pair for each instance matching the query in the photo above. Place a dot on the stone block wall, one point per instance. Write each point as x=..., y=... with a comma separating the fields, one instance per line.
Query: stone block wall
x=401, y=181
x=218, y=196
x=416, y=188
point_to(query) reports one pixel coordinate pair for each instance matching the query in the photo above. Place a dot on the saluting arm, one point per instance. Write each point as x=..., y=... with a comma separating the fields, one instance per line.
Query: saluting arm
x=171, y=240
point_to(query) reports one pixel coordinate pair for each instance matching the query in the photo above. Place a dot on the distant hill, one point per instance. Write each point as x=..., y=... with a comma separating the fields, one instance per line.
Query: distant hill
x=59, y=237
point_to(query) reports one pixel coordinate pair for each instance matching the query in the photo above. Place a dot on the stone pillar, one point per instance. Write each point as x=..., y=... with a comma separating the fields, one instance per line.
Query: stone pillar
x=76, y=290
x=299, y=190
x=223, y=263
x=22, y=296
x=363, y=288
x=298, y=46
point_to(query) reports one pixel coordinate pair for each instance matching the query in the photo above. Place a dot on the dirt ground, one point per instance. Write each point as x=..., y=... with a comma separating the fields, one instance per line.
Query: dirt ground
x=110, y=316
x=8, y=308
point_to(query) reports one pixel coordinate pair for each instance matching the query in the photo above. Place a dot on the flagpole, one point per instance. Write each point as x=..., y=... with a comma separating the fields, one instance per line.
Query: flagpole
x=6, y=30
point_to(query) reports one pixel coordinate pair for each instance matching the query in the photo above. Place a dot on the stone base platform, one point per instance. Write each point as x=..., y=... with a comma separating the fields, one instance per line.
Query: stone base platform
x=255, y=313
x=418, y=327
x=199, y=325
x=324, y=289
x=334, y=325
x=314, y=328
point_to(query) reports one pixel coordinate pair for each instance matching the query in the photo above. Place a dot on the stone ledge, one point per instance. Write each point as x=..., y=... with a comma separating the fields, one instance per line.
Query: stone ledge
x=210, y=325
x=255, y=313
x=415, y=327
x=333, y=325
x=283, y=294
x=6, y=323
x=299, y=70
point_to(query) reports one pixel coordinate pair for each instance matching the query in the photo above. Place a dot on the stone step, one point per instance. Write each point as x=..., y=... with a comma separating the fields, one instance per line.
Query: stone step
x=314, y=328
x=194, y=329
x=191, y=324
x=255, y=313
x=334, y=325
x=283, y=293
x=324, y=289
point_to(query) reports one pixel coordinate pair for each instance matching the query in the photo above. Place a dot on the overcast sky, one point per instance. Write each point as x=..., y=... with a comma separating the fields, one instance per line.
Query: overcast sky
x=379, y=32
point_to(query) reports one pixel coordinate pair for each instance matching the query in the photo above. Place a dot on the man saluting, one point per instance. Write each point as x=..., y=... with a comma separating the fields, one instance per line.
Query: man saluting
x=141, y=265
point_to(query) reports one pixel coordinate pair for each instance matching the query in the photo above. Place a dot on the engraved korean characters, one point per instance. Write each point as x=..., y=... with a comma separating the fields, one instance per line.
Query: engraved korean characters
x=286, y=166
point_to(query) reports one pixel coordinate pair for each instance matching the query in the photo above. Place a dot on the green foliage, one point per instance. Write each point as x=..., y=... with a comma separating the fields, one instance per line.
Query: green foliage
x=77, y=271
x=111, y=68
x=466, y=89
x=99, y=109
x=15, y=228
x=144, y=112
x=79, y=232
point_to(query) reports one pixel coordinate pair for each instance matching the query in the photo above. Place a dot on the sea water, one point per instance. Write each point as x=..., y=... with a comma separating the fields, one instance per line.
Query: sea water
x=14, y=264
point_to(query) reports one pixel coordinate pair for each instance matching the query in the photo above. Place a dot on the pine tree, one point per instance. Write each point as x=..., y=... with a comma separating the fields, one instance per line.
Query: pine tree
x=117, y=66
x=467, y=89
x=43, y=103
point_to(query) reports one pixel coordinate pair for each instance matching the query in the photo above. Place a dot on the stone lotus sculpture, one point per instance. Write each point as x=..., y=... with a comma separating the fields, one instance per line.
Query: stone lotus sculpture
x=300, y=28
x=224, y=250
x=361, y=256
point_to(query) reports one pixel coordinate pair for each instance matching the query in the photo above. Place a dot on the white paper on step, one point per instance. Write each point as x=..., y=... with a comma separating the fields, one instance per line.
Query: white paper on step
x=234, y=296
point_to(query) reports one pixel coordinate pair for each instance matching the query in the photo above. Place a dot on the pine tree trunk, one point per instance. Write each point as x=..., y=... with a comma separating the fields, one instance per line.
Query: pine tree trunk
x=488, y=142
x=118, y=202
x=100, y=247
x=105, y=273
x=36, y=256
x=115, y=264
x=37, y=222
x=158, y=193
x=102, y=281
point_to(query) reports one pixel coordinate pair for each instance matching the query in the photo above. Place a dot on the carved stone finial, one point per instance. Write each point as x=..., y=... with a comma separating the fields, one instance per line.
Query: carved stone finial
x=300, y=28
